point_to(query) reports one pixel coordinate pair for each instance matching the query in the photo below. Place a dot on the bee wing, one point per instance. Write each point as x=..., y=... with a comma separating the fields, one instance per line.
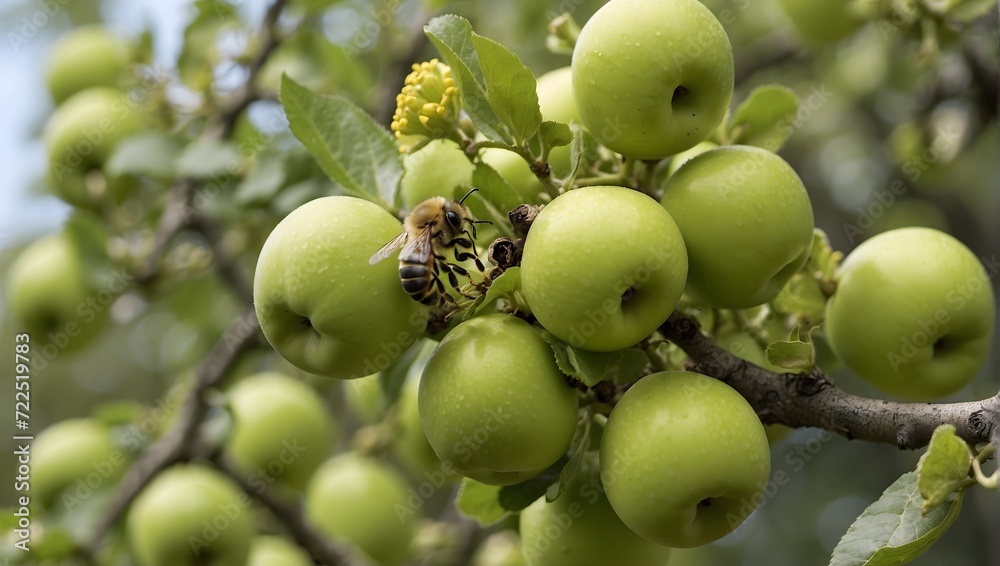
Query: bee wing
x=420, y=248
x=388, y=249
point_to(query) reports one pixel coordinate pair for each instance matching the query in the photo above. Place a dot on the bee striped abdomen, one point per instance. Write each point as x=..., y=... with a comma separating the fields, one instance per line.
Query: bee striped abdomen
x=418, y=282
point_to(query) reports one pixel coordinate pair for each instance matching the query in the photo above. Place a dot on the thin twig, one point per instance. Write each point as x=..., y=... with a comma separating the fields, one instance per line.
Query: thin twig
x=812, y=400
x=322, y=550
x=172, y=447
x=227, y=267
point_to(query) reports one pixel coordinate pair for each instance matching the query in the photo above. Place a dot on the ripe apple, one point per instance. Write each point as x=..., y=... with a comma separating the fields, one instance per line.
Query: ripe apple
x=493, y=402
x=362, y=501
x=581, y=529
x=652, y=77
x=270, y=550
x=50, y=293
x=281, y=430
x=74, y=458
x=515, y=170
x=684, y=459
x=822, y=21
x=319, y=302
x=556, y=101
x=84, y=130
x=86, y=57
x=747, y=224
x=434, y=170
x=603, y=267
x=913, y=313
x=190, y=515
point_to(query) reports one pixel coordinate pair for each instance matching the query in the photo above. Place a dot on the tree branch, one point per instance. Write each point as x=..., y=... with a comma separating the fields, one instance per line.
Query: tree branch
x=812, y=400
x=322, y=550
x=227, y=267
x=173, y=446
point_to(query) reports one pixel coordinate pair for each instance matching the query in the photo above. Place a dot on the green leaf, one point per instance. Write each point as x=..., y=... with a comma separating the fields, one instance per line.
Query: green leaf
x=971, y=10
x=205, y=158
x=590, y=368
x=893, y=530
x=822, y=257
x=393, y=377
x=518, y=496
x=944, y=468
x=452, y=36
x=351, y=148
x=803, y=297
x=494, y=188
x=554, y=134
x=54, y=544
x=508, y=282
x=116, y=413
x=261, y=184
x=152, y=154
x=793, y=354
x=765, y=118
x=200, y=52
x=510, y=88
x=578, y=448
x=481, y=502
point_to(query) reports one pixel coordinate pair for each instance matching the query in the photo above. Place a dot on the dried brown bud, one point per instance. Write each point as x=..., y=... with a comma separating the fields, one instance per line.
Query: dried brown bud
x=505, y=253
x=522, y=217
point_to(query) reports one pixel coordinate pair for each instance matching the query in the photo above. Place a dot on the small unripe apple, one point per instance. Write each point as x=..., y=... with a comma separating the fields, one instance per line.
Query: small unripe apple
x=500, y=549
x=603, y=267
x=85, y=57
x=49, y=292
x=515, y=170
x=270, y=550
x=913, y=313
x=83, y=131
x=684, y=459
x=556, y=101
x=75, y=458
x=281, y=429
x=191, y=515
x=320, y=303
x=580, y=528
x=822, y=21
x=689, y=154
x=365, y=398
x=359, y=500
x=434, y=170
x=652, y=77
x=493, y=403
x=410, y=442
x=747, y=224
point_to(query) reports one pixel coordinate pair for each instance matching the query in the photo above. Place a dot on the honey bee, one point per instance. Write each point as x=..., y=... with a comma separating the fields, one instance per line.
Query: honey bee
x=432, y=227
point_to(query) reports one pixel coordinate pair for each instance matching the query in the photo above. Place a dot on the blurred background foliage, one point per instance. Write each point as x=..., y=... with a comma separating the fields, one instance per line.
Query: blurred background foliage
x=884, y=107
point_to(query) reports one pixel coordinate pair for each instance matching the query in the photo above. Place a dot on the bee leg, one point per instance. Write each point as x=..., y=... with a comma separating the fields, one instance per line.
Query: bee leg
x=462, y=256
x=450, y=270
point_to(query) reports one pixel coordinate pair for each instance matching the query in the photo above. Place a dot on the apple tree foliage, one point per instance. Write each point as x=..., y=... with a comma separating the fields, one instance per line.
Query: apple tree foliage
x=662, y=296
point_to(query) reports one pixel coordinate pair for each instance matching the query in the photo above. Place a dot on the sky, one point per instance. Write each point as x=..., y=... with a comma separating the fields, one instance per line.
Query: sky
x=25, y=103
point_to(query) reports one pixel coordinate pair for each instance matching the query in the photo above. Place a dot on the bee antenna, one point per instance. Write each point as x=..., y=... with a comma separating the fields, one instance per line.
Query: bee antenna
x=467, y=195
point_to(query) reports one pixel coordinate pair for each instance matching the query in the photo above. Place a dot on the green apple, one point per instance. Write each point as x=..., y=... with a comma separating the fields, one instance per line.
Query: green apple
x=321, y=305
x=270, y=550
x=684, y=459
x=85, y=57
x=282, y=430
x=49, y=292
x=434, y=170
x=190, y=515
x=747, y=224
x=91, y=189
x=556, y=101
x=493, y=403
x=652, y=77
x=364, y=502
x=515, y=170
x=745, y=346
x=365, y=398
x=822, y=21
x=603, y=267
x=580, y=528
x=689, y=154
x=83, y=131
x=500, y=549
x=913, y=313
x=73, y=459
x=410, y=442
